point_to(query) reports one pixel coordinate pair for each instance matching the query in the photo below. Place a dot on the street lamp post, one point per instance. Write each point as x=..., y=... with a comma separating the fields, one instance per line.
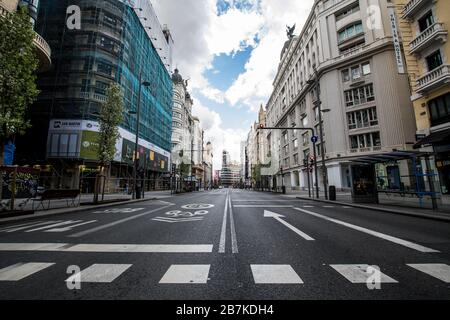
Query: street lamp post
x=136, y=146
x=318, y=103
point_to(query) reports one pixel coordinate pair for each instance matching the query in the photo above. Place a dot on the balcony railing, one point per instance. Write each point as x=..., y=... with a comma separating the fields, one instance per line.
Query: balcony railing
x=413, y=7
x=435, y=32
x=434, y=79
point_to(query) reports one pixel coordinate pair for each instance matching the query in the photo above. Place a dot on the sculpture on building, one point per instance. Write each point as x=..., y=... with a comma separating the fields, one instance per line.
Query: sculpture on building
x=290, y=31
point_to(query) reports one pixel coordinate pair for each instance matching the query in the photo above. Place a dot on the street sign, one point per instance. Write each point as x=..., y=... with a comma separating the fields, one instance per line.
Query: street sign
x=314, y=139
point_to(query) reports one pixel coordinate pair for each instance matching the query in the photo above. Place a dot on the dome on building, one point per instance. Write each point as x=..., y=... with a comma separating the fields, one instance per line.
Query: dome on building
x=176, y=76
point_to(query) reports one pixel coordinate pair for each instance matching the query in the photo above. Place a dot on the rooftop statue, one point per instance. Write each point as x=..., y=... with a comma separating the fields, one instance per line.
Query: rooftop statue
x=290, y=31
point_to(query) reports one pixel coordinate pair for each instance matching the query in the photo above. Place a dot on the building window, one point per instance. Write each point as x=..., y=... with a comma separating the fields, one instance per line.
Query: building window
x=440, y=110
x=345, y=75
x=347, y=11
x=100, y=87
x=359, y=95
x=362, y=118
x=367, y=140
x=350, y=32
x=305, y=138
x=305, y=121
x=104, y=68
x=306, y=154
x=426, y=21
x=295, y=144
x=434, y=60
x=296, y=159
x=356, y=73
x=366, y=68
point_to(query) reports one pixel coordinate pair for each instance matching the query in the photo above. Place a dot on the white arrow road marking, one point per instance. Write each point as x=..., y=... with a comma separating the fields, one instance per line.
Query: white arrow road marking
x=380, y=235
x=276, y=216
x=54, y=225
x=69, y=228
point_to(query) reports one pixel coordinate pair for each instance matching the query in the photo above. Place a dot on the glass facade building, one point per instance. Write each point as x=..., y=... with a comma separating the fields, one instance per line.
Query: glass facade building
x=113, y=44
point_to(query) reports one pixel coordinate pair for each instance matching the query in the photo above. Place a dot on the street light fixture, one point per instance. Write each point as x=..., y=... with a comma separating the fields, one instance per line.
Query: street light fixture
x=136, y=146
x=318, y=103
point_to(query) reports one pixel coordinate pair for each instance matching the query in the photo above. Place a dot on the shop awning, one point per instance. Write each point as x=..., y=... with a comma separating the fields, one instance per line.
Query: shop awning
x=434, y=138
x=386, y=157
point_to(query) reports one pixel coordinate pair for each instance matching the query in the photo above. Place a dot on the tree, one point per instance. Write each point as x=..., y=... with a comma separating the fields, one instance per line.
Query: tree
x=111, y=116
x=18, y=65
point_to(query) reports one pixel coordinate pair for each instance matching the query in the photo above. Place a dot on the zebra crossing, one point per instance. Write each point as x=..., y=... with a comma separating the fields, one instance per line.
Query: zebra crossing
x=267, y=274
x=51, y=226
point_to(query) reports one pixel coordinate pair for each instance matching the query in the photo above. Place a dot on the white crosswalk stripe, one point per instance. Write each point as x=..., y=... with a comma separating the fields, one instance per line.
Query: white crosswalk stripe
x=27, y=226
x=436, y=270
x=275, y=274
x=359, y=273
x=20, y=271
x=100, y=273
x=186, y=274
x=47, y=226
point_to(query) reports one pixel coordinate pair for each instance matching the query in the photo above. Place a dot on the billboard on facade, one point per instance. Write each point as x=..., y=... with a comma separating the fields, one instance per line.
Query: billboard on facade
x=89, y=145
x=152, y=160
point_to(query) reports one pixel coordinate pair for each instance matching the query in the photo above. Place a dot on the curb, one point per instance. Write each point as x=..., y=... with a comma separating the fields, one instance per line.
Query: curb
x=73, y=210
x=400, y=212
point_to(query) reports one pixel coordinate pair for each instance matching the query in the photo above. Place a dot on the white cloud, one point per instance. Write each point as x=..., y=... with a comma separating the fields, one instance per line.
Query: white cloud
x=255, y=85
x=200, y=34
x=221, y=138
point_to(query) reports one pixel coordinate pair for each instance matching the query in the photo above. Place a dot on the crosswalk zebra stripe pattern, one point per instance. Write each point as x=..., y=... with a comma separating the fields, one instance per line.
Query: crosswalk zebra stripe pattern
x=20, y=271
x=275, y=274
x=436, y=270
x=359, y=273
x=263, y=274
x=186, y=274
x=100, y=273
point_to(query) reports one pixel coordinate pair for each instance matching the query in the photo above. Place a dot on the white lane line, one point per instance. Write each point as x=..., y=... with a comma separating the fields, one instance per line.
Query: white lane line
x=260, y=206
x=19, y=225
x=275, y=274
x=223, y=235
x=186, y=274
x=100, y=273
x=64, y=223
x=328, y=206
x=22, y=270
x=308, y=206
x=31, y=226
x=265, y=200
x=436, y=270
x=112, y=224
x=358, y=273
x=105, y=248
x=69, y=228
x=276, y=216
x=380, y=235
x=234, y=246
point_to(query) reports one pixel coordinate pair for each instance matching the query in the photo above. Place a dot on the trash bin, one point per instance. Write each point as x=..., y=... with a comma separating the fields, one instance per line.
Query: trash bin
x=332, y=193
x=138, y=193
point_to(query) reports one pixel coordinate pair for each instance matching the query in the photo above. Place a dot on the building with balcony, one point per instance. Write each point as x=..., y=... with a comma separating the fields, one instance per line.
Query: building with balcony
x=363, y=92
x=43, y=51
x=115, y=43
x=424, y=28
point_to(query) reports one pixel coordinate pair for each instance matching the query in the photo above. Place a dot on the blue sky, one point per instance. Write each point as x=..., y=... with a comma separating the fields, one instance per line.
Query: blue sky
x=230, y=51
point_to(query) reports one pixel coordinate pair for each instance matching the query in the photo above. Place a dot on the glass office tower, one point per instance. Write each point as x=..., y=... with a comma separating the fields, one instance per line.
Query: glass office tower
x=118, y=41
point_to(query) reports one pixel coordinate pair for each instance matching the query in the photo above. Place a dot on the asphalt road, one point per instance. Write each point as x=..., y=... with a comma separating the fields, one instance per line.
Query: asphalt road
x=226, y=244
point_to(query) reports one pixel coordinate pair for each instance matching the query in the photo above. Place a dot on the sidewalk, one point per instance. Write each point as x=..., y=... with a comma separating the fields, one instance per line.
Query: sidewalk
x=60, y=206
x=344, y=198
